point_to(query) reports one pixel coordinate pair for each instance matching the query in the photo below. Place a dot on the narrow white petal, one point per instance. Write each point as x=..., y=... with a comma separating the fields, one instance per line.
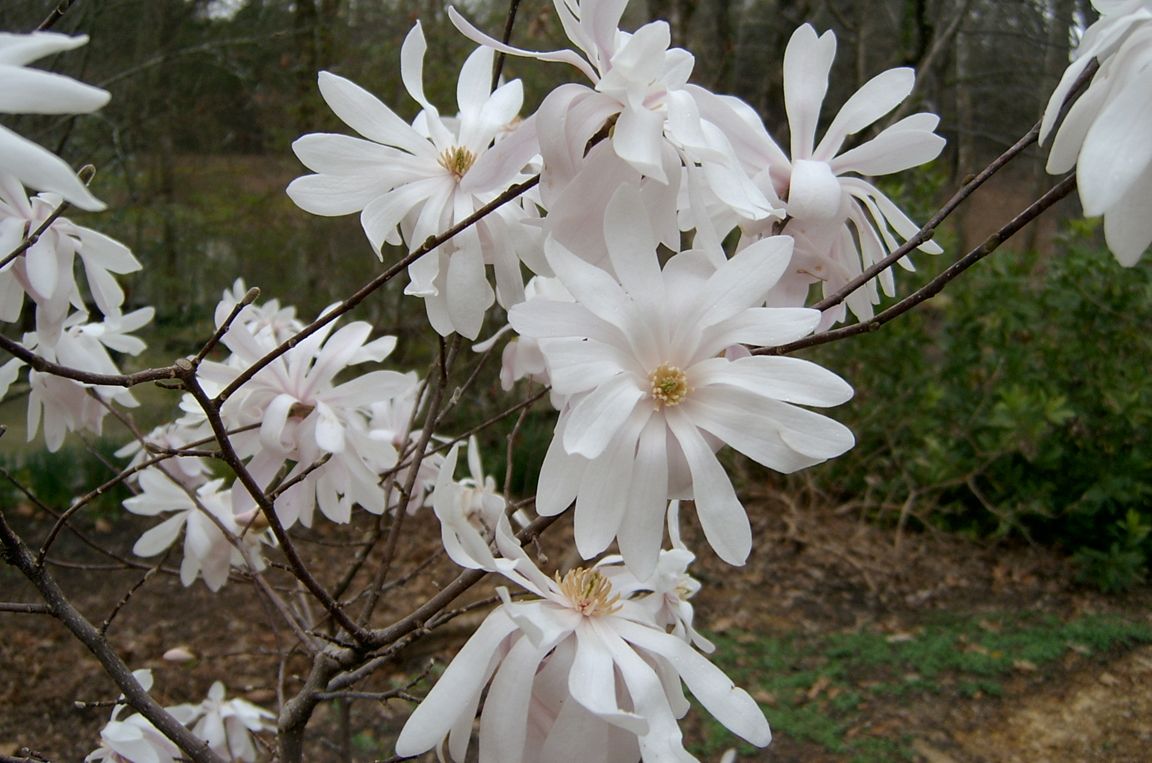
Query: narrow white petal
x=457, y=688
x=600, y=415
x=726, y=702
x=367, y=115
x=721, y=514
x=807, y=62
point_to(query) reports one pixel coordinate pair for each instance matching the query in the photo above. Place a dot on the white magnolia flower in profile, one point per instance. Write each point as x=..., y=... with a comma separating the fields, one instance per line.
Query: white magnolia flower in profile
x=1105, y=135
x=134, y=739
x=841, y=222
x=227, y=725
x=651, y=395
x=65, y=405
x=579, y=674
x=415, y=181
x=469, y=510
x=32, y=91
x=45, y=271
x=668, y=591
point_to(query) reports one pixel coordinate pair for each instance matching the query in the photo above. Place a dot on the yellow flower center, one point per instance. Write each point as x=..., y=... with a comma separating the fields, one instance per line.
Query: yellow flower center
x=457, y=160
x=589, y=592
x=669, y=385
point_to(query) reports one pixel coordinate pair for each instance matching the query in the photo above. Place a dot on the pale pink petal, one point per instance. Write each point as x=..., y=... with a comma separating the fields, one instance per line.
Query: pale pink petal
x=592, y=679
x=1117, y=151
x=458, y=687
x=727, y=703
x=637, y=138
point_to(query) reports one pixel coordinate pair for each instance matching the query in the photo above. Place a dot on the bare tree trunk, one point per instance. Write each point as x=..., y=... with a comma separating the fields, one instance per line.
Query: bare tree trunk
x=1057, y=48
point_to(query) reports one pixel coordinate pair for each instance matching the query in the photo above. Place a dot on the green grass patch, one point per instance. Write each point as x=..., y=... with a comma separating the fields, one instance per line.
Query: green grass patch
x=817, y=689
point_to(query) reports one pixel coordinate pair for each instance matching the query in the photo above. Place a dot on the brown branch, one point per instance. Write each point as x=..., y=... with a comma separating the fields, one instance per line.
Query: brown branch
x=232, y=459
x=937, y=284
x=18, y=555
x=420, y=452
x=498, y=62
x=25, y=608
x=14, y=348
x=56, y=14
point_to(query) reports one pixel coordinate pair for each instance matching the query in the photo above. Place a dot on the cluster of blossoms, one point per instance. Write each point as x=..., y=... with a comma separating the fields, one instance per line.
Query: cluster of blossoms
x=639, y=318
x=39, y=249
x=226, y=725
x=646, y=354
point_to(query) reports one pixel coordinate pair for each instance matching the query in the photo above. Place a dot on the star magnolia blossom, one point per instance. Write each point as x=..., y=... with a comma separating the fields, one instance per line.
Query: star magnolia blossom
x=305, y=416
x=651, y=395
x=206, y=516
x=578, y=674
x=640, y=89
x=45, y=271
x=841, y=223
x=227, y=725
x=134, y=739
x=421, y=179
x=65, y=405
x=30, y=91
x=1105, y=134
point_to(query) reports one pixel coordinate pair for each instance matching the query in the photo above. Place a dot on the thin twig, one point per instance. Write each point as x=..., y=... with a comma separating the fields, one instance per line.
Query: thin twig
x=56, y=14
x=498, y=63
x=249, y=297
x=937, y=284
x=431, y=416
x=25, y=608
x=232, y=459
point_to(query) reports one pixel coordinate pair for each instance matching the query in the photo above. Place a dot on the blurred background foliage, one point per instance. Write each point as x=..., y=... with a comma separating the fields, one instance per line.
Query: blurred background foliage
x=1015, y=406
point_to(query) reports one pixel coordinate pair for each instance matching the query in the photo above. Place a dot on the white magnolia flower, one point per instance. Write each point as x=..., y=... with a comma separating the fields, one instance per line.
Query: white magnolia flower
x=391, y=421
x=305, y=415
x=190, y=471
x=207, y=519
x=416, y=181
x=651, y=395
x=668, y=591
x=841, y=223
x=578, y=674
x=31, y=91
x=65, y=405
x=469, y=510
x=639, y=86
x=134, y=739
x=227, y=725
x=1105, y=134
x=45, y=271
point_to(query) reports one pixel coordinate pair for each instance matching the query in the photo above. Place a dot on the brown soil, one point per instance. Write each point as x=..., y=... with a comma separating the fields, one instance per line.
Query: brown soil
x=815, y=571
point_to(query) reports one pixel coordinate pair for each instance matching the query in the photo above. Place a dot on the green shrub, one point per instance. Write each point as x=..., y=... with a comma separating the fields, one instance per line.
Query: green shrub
x=1016, y=403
